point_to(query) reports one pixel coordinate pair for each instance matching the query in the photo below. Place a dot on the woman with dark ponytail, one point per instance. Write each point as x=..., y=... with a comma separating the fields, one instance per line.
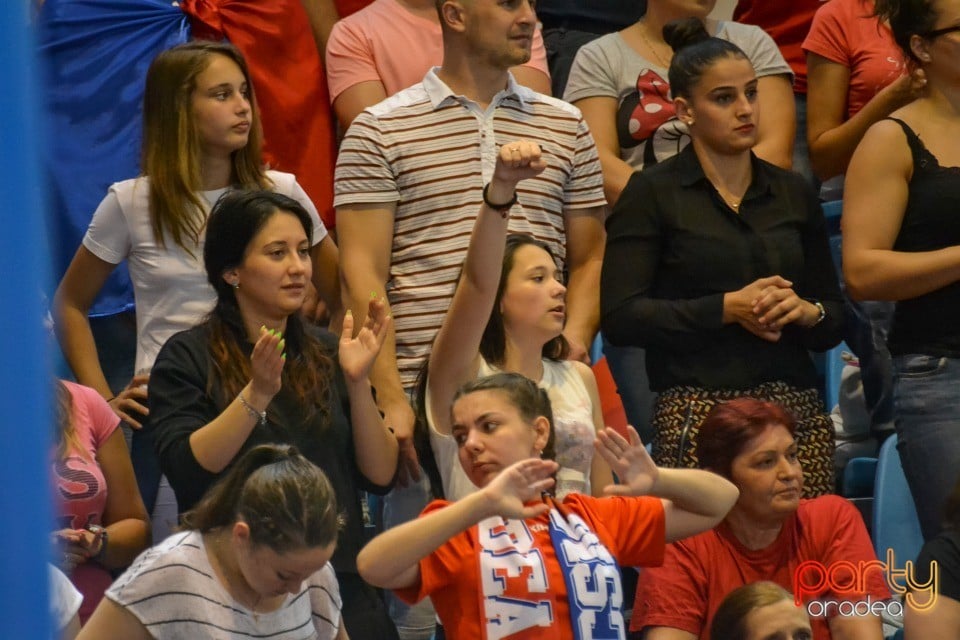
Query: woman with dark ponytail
x=253, y=561
x=620, y=82
x=254, y=372
x=717, y=263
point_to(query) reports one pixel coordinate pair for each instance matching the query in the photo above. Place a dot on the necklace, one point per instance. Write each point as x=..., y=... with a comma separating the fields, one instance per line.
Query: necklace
x=232, y=577
x=649, y=43
x=728, y=198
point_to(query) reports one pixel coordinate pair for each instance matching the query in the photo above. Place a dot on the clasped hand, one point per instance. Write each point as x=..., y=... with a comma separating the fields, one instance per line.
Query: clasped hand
x=765, y=306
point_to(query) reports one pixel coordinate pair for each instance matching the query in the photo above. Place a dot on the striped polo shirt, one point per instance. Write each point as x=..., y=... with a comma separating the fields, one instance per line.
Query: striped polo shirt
x=431, y=152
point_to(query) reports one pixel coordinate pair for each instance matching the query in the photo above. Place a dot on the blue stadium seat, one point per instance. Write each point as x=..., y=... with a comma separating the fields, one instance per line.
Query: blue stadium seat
x=895, y=522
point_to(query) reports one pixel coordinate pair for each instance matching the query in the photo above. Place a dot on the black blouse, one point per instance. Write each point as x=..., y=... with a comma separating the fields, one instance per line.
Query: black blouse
x=180, y=404
x=674, y=248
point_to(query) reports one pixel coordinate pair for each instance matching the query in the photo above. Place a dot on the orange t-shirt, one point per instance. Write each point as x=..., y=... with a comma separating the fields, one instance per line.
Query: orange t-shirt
x=484, y=588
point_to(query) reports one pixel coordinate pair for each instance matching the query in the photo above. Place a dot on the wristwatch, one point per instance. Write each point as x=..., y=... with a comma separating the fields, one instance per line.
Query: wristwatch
x=100, y=531
x=823, y=312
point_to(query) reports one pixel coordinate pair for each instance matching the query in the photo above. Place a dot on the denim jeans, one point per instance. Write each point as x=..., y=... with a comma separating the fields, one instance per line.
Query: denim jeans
x=628, y=366
x=927, y=418
x=415, y=622
x=801, y=150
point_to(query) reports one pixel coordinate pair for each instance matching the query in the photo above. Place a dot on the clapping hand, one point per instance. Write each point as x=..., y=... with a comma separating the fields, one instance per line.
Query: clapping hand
x=521, y=482
x=629, y=461
x=266, y=362
x=358, y=354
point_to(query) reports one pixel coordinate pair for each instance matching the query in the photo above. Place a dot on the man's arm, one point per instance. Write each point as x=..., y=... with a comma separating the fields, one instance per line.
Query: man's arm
x=585, y=240
x=365, y=232
x=352, y=101
x=322, y=15
x=532, y=78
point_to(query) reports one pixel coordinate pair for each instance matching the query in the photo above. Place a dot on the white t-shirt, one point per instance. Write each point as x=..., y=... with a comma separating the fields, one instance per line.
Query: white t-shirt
x=65, y=600
x=170, y=286
x=173, y=591
x=609, y=67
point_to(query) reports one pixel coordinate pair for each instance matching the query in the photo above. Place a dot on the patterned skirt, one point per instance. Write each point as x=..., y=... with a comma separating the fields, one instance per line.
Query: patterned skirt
x=680, y=410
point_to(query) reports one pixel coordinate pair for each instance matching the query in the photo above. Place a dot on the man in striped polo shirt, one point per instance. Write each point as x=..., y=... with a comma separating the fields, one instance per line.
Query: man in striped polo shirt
x=409, y=185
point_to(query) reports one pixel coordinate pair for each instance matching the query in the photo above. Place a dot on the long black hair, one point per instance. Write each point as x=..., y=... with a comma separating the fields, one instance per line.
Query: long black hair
x=234, y=221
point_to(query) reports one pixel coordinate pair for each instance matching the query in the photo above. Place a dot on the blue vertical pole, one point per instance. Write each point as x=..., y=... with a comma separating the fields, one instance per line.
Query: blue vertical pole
x=24, y=402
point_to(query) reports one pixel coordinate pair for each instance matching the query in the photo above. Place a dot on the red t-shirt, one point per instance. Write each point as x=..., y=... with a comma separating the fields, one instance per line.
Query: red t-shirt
x=470, y=579
x=698, y=572
x=787, y=22
x=847, y=32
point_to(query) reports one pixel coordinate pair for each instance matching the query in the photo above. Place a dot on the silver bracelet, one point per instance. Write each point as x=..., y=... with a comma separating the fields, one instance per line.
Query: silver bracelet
x=259, y=416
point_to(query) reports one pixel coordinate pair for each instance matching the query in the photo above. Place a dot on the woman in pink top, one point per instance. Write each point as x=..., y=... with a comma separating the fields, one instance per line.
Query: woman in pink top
x=101, y=522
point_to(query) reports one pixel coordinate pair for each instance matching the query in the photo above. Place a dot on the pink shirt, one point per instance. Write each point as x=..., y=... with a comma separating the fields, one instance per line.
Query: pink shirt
x=81, y=489
x=386, y=42
x=846, y=32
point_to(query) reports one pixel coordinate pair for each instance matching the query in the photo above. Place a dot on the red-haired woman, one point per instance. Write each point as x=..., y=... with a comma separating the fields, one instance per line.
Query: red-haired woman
x=766, y=536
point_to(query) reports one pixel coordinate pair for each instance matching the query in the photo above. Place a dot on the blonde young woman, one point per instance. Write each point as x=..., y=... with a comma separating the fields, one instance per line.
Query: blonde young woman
x=101, y=522
x=201, y=137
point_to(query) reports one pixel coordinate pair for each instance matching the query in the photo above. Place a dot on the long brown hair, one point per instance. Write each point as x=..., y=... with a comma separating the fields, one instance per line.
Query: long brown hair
x=234, y=221
x=170, y=154
x=493, y=342
x=286, y=500
x=66, y=435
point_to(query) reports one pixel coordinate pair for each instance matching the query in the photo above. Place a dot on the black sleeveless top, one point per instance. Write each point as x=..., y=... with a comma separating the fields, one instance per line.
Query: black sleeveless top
x=929, y=324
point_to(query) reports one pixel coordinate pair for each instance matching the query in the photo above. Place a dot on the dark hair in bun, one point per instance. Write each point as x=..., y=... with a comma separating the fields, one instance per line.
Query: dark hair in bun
x=694, y=50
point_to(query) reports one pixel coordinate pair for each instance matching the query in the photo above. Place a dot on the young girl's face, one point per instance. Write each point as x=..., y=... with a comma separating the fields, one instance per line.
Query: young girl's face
x=221, y=107
x=271, y=574
x=533, y=298
x=492, y=435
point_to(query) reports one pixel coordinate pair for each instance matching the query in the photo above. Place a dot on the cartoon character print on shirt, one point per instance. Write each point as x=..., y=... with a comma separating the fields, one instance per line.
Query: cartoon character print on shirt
x=647, y=117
